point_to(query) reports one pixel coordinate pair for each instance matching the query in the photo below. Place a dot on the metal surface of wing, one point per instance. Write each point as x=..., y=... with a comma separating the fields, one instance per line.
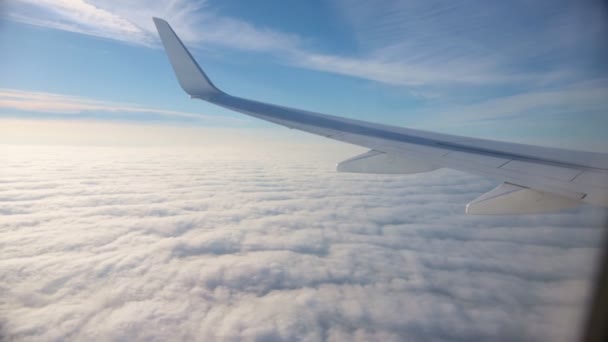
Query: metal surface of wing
x=549, y=177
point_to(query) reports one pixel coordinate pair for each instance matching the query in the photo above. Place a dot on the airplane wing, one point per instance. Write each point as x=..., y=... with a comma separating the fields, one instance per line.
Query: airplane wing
x=534, y=179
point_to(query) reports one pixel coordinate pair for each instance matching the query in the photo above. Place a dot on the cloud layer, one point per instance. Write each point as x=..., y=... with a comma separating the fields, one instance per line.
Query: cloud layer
x=260, y=244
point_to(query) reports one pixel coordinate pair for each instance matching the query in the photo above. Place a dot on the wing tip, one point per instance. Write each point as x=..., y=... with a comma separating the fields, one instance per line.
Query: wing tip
x=189, y=74
x=159, y=22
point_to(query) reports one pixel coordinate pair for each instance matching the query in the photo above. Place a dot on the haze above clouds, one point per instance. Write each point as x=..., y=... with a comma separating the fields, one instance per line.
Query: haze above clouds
x=252, y=241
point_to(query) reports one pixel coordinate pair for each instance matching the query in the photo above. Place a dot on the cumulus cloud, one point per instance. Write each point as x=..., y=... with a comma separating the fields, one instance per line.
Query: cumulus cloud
x=255, y=243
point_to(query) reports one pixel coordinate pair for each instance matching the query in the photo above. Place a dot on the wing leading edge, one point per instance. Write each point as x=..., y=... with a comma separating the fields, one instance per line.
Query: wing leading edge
x=536, y=179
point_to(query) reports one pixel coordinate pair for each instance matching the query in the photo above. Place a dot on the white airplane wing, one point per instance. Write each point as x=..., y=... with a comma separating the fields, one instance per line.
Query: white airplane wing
x=534, y=179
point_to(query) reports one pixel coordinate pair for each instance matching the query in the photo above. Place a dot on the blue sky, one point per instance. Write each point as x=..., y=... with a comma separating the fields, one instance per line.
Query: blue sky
x=522, y=71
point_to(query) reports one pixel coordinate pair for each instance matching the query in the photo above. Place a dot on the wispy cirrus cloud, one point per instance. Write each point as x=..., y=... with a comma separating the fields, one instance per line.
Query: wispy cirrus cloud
x=404, y=74
x=578, y=99
x=131, y=22
x=491, y=33
x=51, y=103
x=401, y=43
x=77, y=16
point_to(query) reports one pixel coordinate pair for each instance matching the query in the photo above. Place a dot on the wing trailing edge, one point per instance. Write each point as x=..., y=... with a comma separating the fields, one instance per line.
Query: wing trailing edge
x=384, y=163
x=514, y=199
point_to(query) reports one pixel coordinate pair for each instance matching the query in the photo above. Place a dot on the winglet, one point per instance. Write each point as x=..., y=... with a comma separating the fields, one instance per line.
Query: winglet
x=189, y=74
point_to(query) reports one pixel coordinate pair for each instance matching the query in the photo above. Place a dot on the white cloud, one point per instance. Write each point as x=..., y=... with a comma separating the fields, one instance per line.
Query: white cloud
x=52, y=103
x=411, y=44
x=270, y=244
x=530, y=65
x=436, y=32
x=404, y=74
x=131, y=22
x=577, y=99
x=77, y=16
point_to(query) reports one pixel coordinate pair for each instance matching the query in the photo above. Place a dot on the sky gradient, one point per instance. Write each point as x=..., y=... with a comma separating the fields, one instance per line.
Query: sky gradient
x=524, y=72
x=130, y=212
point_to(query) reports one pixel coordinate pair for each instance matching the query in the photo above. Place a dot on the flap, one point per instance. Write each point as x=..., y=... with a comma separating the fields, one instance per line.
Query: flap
x=513, y=199
x=380, y=162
